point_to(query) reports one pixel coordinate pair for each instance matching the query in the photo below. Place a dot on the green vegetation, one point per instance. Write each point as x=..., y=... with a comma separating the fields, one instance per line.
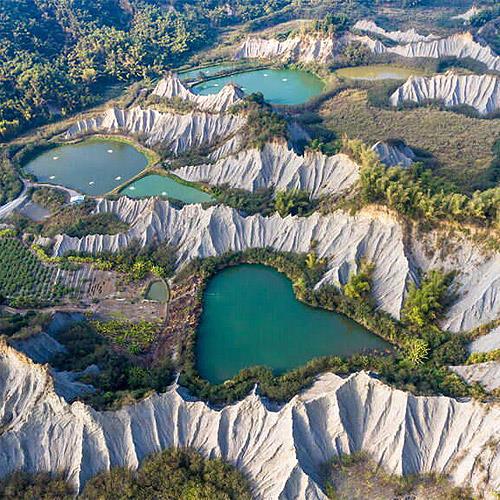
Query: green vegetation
x=24, y=280
x=135, y=337
x=261, y=201
x=57, y=57
x=169, y=475
x=10, y=184
x=357, y=477
x=461, y=146
x=425, y=305
x=52, y=199
x=263, y=124
x=416, y=193
x=122, y=377
x=483, y=357
x=359, y=285
x=292, y=202
x=41, y=486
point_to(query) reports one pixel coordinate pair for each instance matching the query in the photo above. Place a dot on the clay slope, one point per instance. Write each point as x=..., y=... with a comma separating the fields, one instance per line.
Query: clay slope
x=171, y=87
x=482, y=92
x=341, y=238
x=304, y=49
x=394, y=153
x=176, y=132
x=408, y=36
x=460, y=45
x=275, y=165
x=280, y=449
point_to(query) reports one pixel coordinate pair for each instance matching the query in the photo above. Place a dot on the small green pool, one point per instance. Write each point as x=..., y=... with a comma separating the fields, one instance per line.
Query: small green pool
x=377, y=72
x=160, y=185
x=92, y=167
x=251, y=317
x=192, y=74
x=157, y=291
x=285, y=86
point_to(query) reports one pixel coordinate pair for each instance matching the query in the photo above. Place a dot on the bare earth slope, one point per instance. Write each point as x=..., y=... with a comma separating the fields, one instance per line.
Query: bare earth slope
x=280, y=449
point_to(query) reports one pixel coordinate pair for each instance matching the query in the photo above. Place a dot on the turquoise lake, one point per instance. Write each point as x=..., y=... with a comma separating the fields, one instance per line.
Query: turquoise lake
x=251, y=317
x=278, y=86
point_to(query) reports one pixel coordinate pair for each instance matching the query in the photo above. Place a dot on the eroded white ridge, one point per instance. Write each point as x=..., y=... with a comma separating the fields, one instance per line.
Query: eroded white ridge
x=482, y=92
x=176, y=132
x=281, y=450
x=368, y=26
x=171, y=87
x=276, y=165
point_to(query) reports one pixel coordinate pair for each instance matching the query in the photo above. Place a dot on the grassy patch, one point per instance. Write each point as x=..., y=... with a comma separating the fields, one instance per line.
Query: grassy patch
x=461, y=145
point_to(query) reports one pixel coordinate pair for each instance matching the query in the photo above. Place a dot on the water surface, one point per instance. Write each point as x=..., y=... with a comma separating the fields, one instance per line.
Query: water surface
x=251, y=317
x=377, y=72
x=92, y=167
x=160, y=185
x=278, y=86
x=157, y=291
x=192, y=74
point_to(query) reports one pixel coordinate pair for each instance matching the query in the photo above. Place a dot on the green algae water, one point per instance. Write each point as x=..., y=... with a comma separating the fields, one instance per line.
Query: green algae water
x=251, y=317
x=157, y=291
x=92, y=167
x=193, y=74
x=377, y=72
x=278, y=86
x=160, y=185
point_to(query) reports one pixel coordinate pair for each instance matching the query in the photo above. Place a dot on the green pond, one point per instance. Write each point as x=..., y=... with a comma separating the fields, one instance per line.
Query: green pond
x=192, y=74
x=251, y=317
x=157, y=291
x=159, y=185
x=278, y=86
x=377, y=72
x=92, y=167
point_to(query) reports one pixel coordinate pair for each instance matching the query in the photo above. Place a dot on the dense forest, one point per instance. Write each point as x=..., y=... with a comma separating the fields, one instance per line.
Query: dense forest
x=56, y=55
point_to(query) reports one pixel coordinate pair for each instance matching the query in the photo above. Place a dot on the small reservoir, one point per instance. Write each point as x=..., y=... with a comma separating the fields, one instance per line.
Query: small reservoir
x=252, y=317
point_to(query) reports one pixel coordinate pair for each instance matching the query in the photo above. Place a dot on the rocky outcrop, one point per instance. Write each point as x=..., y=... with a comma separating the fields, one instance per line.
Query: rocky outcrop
x=171, y=87
x=307, y=48
x=367, y=26
x=175, y=132
x=195, y=232
x=281, y=449
x=278, y=166
x=341, y=239
x=393, y=153
x=40, y=347
x=487, y=374
x=460, y=45
x=482, y=92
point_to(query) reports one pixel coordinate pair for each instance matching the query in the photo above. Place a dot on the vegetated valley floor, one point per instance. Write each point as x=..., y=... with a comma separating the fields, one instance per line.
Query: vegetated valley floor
x=461, y=145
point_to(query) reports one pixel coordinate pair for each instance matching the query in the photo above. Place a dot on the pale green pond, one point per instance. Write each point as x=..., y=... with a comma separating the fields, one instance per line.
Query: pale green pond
x=157, y=291
x=377, y=72
x=207, y=71
x=92, y=167
x=285, y=86
x=160, y=185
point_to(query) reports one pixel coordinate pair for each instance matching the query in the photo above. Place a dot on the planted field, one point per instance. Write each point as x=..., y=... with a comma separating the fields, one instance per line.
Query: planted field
x=461, y=145
x=23, y=276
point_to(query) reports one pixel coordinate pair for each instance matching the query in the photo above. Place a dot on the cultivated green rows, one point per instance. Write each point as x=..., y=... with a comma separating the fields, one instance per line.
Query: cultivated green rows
x=23, y=275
